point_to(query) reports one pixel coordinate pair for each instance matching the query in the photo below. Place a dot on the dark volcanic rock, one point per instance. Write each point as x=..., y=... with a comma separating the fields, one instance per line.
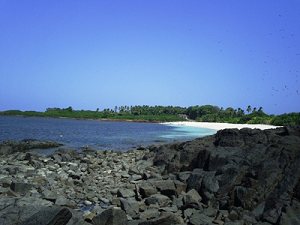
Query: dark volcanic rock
x=147, y=189
x=244, y=168
x=20, y=187
x=112, y=216
x=234, y=177
x=165, y=219
x=9, y=147
x=166, y=187
x=49, y=216
x=16, y=210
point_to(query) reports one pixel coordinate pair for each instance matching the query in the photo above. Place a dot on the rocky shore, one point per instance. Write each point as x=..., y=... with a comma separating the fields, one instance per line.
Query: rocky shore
x=235, y=177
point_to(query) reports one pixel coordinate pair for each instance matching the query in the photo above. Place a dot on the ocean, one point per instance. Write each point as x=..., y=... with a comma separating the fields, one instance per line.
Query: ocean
x=100, y=135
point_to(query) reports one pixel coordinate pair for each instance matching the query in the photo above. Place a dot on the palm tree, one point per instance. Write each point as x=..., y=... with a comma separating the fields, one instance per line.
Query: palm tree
x=249, y=108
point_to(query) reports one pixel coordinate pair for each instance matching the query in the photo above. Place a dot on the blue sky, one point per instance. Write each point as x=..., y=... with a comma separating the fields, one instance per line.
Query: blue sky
x=98, y=54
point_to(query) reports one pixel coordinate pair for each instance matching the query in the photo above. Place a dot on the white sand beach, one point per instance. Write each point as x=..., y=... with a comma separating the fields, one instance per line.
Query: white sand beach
x=220, y=126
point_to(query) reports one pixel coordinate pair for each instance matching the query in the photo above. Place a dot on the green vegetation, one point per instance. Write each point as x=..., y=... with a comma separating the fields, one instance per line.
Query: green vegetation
x=209, y=113
x=135, y=113
x=205, y=113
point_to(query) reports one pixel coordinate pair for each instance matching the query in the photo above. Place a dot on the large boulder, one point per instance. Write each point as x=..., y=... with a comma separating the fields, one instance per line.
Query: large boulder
x=16, y=210
x=112, y=216
x=165, y=219
x=49, y=216
x=240, y=168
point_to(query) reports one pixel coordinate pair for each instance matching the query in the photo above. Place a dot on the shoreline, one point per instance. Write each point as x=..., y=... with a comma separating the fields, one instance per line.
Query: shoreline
x=220, y=126
x=151, y=186
x=94, y=119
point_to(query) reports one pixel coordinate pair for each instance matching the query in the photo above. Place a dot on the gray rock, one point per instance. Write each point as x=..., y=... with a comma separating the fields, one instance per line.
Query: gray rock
x=188, y=212
x=184, y=176
x=104, y=200
x=130, y=206
x=180, y=187
x=233, y=215
x=112, y=216
x=149, y=214
x=239, y=222
x=9, y=147
x=210, y=182
x=16, y=210
x=134, y=222
x=160, y=199
x=49, y=195
x=63, y=201
x=21, y=188
x=249, y=219
x=192, y=198
x=126, y=193
x=210, y=212
x=49, y=216
x=165, y=219
x=135, y=177
x=166, y=187
x=198, y=218
x=57, y=158
x=172, y=209
x=292, y=214
x=272, y=215
x=147, y=189
x=195, y=181
x=178, y=201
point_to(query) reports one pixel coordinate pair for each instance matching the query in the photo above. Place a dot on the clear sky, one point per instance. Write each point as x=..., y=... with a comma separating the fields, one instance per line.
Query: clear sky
x=97, y=54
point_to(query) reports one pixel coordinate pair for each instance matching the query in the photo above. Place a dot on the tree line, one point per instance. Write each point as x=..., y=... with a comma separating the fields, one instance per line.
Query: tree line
x=204, y=113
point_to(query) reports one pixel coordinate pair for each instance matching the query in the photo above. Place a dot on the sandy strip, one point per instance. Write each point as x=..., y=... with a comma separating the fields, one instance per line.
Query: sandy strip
x=220, y=126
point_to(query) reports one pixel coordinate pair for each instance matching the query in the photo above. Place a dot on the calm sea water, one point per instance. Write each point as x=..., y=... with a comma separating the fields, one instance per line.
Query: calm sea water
x=96, y=134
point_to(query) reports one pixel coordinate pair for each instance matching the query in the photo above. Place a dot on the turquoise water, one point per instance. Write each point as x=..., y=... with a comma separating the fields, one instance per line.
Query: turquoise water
x=185, y=132
x=101, y=135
